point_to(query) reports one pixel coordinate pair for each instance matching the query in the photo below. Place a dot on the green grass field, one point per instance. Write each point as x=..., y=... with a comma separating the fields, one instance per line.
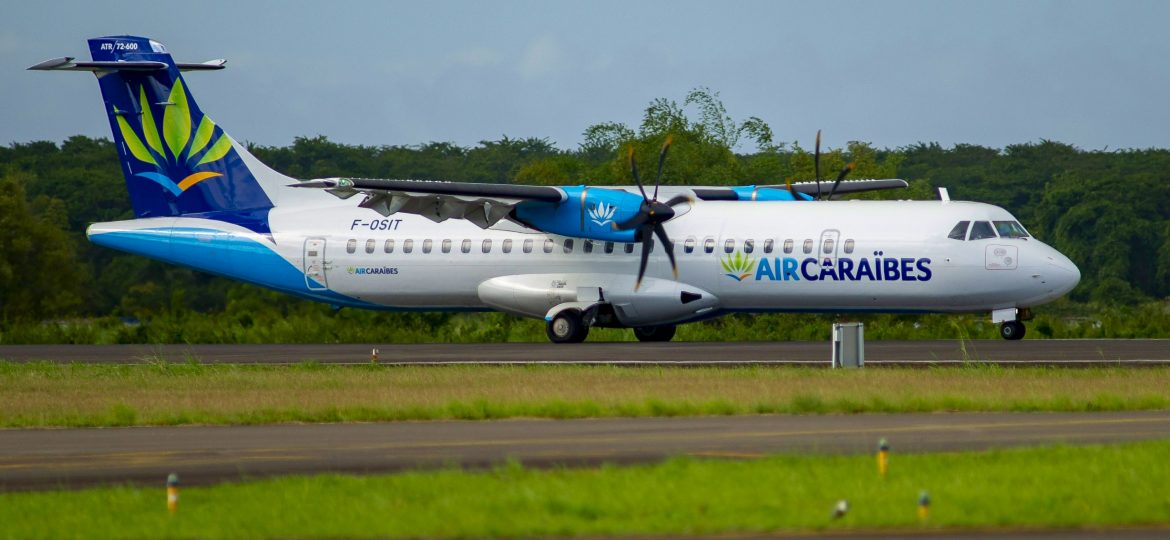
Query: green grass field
x=1052, y=487
x=44, y=395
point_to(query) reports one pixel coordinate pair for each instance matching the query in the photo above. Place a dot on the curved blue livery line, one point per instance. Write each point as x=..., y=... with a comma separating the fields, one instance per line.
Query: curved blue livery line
x=224, y=254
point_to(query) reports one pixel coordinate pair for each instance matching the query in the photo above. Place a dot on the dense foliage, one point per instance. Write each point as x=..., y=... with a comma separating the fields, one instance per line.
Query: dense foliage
x=1109, y=211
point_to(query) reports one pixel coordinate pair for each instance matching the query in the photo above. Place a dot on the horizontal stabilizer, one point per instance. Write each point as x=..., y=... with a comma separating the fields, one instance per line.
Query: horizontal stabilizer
x=66, y=63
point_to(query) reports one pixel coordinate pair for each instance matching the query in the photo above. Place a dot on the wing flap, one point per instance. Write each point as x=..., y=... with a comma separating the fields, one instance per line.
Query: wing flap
x=482, y=204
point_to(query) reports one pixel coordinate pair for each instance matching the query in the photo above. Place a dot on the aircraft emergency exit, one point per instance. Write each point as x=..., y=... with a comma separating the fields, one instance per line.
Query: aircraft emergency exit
x=640, y=257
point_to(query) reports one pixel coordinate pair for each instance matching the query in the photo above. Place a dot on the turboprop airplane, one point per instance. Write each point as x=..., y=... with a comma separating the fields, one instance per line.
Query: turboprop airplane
x=575, y=256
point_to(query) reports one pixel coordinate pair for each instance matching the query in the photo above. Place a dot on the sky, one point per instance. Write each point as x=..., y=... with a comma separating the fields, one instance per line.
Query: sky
x=892, y=73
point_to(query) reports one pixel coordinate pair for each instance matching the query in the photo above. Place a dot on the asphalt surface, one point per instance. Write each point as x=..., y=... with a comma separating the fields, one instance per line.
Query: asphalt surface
x=56, y=458
x=1138, y=352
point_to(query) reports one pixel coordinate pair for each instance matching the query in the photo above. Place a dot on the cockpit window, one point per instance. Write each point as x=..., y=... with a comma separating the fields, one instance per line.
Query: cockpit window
x=980, y=230
x=1010, y=229
x=960, y=231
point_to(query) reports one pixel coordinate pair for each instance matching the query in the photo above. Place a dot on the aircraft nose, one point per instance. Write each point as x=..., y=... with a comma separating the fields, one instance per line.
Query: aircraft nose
x=1065, y=273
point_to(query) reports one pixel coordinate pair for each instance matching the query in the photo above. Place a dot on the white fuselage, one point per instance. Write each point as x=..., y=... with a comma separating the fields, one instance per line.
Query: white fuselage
x=785, y=256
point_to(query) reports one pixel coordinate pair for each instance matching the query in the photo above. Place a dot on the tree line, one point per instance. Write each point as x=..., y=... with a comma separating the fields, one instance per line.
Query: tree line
x=1109, y=211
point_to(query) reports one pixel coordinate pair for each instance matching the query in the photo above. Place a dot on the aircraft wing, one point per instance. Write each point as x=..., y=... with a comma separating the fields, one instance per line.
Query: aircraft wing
x=481, y=204
x=807, y=188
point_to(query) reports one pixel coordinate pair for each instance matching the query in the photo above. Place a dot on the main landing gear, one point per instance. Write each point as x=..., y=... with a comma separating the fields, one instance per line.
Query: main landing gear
x=567, y=327
x=1012, y=330
x=655, y=333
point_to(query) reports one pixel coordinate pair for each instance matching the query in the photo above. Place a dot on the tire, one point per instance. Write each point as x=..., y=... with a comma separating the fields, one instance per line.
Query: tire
x=566, y=327
x=1012, y=330
x=655, y=333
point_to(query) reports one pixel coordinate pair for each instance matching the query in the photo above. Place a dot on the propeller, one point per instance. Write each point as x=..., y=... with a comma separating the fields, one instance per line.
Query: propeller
x=817, y=164
x=840, y=177
x=651, y=215
x=817, y=169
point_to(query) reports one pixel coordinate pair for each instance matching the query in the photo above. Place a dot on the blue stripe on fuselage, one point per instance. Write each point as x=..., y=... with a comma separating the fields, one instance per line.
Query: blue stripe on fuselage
x=225, y=254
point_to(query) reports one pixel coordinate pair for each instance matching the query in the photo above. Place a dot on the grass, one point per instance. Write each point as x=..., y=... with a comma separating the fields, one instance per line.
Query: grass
x=46, y=395
x=1050, y=487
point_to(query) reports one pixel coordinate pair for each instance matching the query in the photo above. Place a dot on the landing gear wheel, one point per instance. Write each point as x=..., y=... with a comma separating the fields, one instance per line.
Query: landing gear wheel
x=1012, y=330
x=566, y=327
x=655, y=333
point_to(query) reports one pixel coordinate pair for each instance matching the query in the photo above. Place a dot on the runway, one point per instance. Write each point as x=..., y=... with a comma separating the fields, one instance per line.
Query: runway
x=1105, y=352
x=53, y=458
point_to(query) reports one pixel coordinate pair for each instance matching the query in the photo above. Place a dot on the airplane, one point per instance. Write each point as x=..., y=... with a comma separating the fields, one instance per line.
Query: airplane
x=575, y=256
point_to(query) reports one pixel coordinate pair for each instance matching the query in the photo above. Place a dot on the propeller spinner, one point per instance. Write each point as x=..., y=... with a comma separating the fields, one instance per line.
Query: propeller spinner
x=651, y=215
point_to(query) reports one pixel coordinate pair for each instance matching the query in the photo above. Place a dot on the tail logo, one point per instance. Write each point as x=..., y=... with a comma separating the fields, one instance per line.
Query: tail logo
x=173, y=147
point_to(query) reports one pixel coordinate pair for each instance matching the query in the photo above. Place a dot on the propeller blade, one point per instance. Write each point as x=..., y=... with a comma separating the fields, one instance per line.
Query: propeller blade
x=647, y=240
x=679, y=199
x=817, y=164
x=661, y=232
x=634, y=221
x=840, y=177
x=791, y=191
x=637, y=180
x=661, y=162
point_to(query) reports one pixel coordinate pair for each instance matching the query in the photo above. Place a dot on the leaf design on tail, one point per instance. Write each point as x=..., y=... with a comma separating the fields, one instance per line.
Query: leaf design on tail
x=202, y=136
x=177, y=120
x=217, y=151
x=137, y=149
x=149, y=128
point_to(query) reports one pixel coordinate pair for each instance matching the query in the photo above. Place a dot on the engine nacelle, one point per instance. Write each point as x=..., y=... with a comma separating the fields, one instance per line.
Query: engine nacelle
x=657, y=302
x=586, y=212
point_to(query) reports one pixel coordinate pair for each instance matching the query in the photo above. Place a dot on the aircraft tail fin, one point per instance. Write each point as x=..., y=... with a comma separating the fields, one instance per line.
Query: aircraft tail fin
x=176, y=160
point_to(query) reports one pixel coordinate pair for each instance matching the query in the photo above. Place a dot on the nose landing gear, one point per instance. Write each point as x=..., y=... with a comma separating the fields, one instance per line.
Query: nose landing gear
x=1012, y=330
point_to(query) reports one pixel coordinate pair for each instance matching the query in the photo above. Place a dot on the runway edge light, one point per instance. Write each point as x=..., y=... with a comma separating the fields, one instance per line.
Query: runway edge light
x=172, y=493
x=883, y=457
x=923, y=506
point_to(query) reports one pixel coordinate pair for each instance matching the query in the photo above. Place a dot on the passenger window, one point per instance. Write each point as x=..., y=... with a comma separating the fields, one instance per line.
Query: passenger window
x=808, y=245
x=827, y=246
x=788, y=246
x=351, y=245
x=548, y=245
x=370, y=245
x=1010, y=229
x=447, y=245
x=709, y=245
x=689, y=245
x=568, y=245
x=849, y=246
x=507, y=245
x=749, y=246
x=389, y=246
x=629, y=248
x=959, y=232
x=587, y=246
x=528, y=246
x=427, y=245
x=609, y=247
x=981, y=230
x=408, y=246
x=769, y=244
x=486, y=246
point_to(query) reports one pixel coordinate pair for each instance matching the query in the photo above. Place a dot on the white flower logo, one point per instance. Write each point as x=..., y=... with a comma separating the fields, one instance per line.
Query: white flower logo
x=602, y=213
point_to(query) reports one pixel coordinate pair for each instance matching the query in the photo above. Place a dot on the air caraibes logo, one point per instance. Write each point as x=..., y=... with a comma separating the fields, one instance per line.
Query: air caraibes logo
x=602, y=213
x=174, y=147
x=738, y=265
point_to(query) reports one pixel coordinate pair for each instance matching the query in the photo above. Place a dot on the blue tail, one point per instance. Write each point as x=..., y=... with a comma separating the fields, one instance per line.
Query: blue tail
x=176, y=160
